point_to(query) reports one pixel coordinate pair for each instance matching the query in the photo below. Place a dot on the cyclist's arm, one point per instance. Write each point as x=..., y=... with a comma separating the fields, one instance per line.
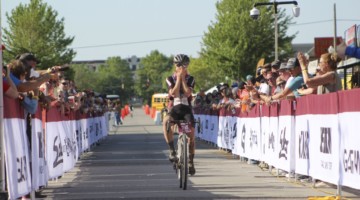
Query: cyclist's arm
x=187, y=89
x=175, y=91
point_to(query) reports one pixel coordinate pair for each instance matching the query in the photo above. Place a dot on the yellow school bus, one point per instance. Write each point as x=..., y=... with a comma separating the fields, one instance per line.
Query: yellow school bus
x=158, y=100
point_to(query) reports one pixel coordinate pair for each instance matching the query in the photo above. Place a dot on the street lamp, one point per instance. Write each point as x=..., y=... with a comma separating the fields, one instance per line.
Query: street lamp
x=255, y=13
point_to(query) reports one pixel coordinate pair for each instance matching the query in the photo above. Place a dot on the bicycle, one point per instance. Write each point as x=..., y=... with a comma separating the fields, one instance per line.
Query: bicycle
x=181, y=164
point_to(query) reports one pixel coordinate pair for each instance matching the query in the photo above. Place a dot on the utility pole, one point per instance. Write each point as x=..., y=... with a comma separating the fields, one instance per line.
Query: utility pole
x=335, y=29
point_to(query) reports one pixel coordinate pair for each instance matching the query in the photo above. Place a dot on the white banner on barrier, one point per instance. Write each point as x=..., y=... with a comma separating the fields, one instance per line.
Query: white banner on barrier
x=302, y=140
x=350, y=149
x=285, y=144
x=232, y=127
x=214, y=128
x=54, y=150
x=84, y=134
x=324, y=147
x=17, y=157
x=221, y=132
x=249, y=138
x=208, y=131
x=271, y=140
x=68, y=142
x=265, y=134
x=40, y=174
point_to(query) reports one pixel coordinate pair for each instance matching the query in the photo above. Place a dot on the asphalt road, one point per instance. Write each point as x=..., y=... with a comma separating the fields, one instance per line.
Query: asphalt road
x=132, y=163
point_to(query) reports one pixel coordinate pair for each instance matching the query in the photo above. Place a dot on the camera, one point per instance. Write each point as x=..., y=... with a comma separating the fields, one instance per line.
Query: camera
x=304, y=86
x=5, y=69
x=254, y=13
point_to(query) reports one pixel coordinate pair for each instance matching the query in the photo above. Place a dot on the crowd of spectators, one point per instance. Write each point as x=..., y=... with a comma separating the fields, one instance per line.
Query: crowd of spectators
x=275, y=81
x=49, y=89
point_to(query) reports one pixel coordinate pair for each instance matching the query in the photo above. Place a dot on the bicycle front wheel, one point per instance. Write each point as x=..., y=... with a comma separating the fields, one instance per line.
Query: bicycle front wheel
x=184, y=162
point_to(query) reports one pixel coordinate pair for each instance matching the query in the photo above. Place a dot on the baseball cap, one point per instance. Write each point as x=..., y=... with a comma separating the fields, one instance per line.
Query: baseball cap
x=282, y=67
x=249, y=77
x=276, y=63
x=292, y=63
x=28, y=57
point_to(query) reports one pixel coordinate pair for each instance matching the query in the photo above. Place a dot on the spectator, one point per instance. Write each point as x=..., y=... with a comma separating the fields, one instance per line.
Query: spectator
x=343, y=50
x=328, y=80
x=226, y=95
x=9, y=88
x=275, y=65
x=280, y=85
x=291, y=90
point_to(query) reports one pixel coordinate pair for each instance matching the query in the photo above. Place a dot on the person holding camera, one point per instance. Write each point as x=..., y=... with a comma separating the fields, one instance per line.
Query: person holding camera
x=291, y=89
x=9, y=88
x=328, y=80
x=181, y=85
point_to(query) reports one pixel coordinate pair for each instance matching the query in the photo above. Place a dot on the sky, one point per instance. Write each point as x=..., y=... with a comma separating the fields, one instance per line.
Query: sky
x=106, y=28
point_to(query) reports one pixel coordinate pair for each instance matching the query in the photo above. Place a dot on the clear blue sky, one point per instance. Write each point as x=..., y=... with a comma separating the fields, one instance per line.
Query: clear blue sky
x=102, y=22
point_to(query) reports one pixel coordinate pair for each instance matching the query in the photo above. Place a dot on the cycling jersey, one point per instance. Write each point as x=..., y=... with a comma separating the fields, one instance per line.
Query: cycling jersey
x=190, y=82
x=182, y=108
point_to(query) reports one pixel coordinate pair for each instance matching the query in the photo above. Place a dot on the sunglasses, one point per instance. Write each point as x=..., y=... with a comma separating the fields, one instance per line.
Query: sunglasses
x=64, y=83
x=182, y=65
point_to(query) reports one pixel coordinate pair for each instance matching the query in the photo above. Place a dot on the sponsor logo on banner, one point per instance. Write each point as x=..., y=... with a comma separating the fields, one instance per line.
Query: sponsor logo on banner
x=253, y=138
x=352, y=161
x=206, y=124
x=21, y=169
x=58, y=150
x=304, y=145
x=325, y=146
x=234, y=130
x=283, y=144
x=226, y=134
x=69, y=147
x=271, y=144
x=199, y=125
x=243, y=134
x=41, y=150
x=78, y=138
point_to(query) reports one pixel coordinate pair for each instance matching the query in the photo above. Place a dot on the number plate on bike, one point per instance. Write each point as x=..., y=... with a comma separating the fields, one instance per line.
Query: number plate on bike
x=185, y=127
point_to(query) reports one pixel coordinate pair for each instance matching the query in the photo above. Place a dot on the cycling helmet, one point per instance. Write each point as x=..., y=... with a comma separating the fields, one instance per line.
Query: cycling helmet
x=181, y=59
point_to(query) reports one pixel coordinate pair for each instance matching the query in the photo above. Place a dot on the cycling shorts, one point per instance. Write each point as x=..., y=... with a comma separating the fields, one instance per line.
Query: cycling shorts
x=182, y=112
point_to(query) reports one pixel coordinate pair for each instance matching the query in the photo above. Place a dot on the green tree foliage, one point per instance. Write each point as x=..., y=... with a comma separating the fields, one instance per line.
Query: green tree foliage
x=151, y=77
x=205, y=76
x=82, y=75
x=34, y=27
x=235, y=42
x=114, y=77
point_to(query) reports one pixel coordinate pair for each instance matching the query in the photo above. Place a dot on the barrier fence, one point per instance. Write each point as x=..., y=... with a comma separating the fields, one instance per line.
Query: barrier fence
x=57, y=141
x=315, y=135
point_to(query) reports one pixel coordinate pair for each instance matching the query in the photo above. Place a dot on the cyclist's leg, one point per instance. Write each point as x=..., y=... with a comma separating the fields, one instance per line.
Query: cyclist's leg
x=169, y=138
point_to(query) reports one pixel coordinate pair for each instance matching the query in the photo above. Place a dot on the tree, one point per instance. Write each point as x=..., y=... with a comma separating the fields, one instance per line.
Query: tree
x=34, y=28
x=151, y=77
x=115, y=77
x=234, y=42
x=205, y=76
x=82, y=76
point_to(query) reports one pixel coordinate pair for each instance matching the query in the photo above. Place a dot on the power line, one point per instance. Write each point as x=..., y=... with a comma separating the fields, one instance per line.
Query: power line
x=194, y=36
x=329, y=20
x=138, y=42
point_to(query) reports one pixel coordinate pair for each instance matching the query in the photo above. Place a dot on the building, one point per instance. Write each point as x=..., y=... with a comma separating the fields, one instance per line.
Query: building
x=93, y=65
